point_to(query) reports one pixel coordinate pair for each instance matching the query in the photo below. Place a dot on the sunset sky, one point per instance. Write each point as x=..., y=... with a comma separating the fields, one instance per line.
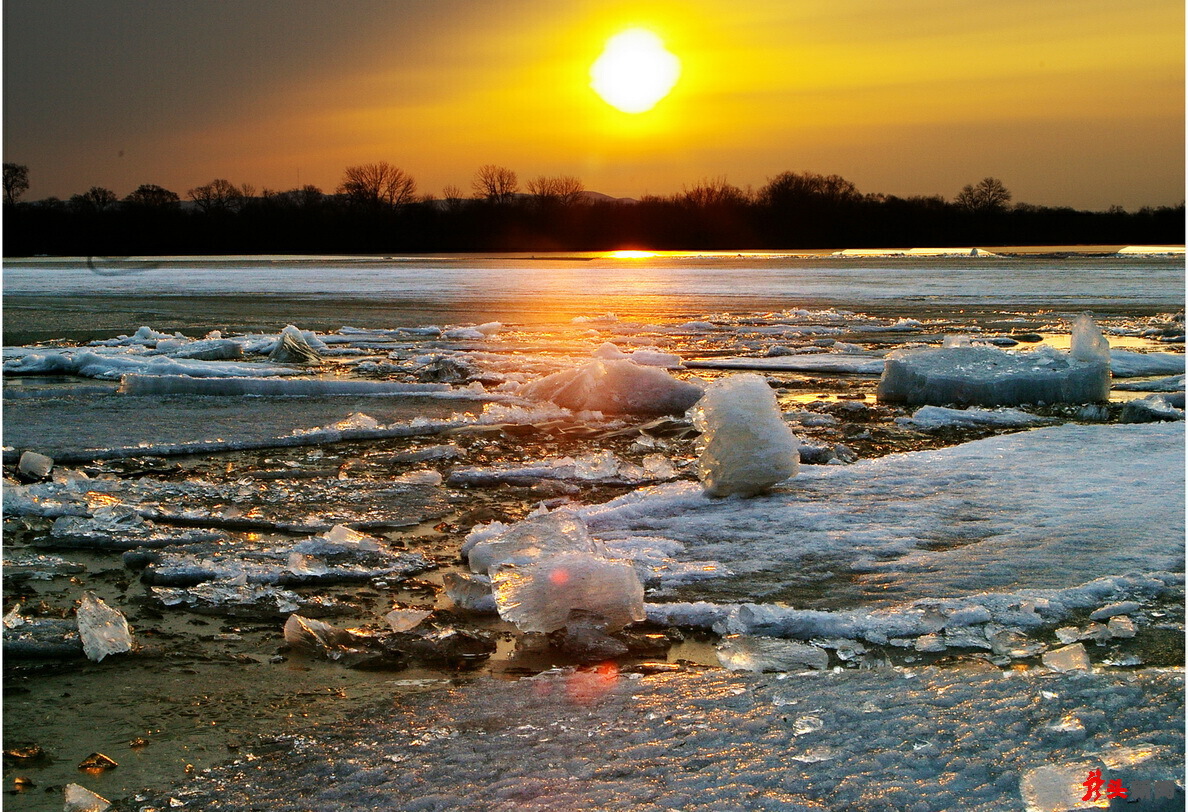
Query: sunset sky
x=1071, y=103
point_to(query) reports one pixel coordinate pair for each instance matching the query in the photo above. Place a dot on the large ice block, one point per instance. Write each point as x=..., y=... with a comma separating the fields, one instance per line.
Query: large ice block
x=746, y=447
x=615, y=387
x=988, y=376
x=540, y=595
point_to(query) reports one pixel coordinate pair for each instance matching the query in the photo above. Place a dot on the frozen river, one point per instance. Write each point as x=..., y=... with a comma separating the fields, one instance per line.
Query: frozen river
x=968, y=611
x=65, y=295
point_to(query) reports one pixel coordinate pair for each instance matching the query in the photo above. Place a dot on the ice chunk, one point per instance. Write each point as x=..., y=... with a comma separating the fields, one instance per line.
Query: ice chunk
x=561, y=531
x=222, y=349
x=81, y=799
x=470, y=592
x=338, y=539
x=315, y=635
x=34, y=465
x=1069, y=658
x=1121, y=626
x=103, y=630
x=615, y=387
x=540, y=595
x=1153, y=409
x=1110, y=610
x=747, y=653
x=293, y=348
x=988, y=376
x=1088, y=344
x=423, y=477
x=745, y=445
x=403, y=620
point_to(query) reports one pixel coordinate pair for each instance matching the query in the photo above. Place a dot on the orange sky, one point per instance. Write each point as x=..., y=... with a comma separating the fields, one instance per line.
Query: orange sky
x=1069, y=103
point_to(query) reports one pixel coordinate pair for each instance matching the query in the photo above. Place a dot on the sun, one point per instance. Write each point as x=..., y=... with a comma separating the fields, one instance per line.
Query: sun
x=635, y=71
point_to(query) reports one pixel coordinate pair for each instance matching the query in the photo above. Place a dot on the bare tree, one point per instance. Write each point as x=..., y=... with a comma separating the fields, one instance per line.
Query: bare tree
x=16, y=182
x=378, y=184
x=150, y=195
x=987, y=195
x=96, y=198
x=562, y=190
x=495, y=183
x=712, y=192
x=218, y=195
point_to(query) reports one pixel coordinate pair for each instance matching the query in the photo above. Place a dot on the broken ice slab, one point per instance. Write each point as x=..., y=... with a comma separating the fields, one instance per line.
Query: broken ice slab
x=338, y=539
x=34, y=465
x=1110, y=610
x=1154, y=409
x=746, y=447
x=25, y=565
x=80, y=799
x=269, y=565
x=539, y=595
x=560, y=531
x=103, y=630
x=243, y=600
x=1121, y=626
x=1096, y=632
x=293, y=348
x=1069, y=658
x=615, y=387
x=987, y=376
x=446, y=645
x=38, y=638
x=121, y=528
x=1014, y=643
x=756, y=653
x=470, y=592
x=584, y=636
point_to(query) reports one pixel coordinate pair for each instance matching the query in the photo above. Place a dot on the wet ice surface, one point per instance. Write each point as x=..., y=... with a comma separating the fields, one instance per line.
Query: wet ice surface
x=984, y=557
x=925, y=739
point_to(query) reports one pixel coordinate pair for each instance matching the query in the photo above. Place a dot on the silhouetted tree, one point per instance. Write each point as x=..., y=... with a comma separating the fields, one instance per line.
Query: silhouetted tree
x=97, y=198
x=218, y=195
x=563, y=190
x=987, y=195
x=711, y=192
x=496, y=184
x=150, y=195
x=799, y=188
x=378, y=184
x=16, y=182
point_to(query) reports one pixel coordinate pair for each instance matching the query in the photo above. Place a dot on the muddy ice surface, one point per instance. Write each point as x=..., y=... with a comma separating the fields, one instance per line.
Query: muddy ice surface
x=210, y=521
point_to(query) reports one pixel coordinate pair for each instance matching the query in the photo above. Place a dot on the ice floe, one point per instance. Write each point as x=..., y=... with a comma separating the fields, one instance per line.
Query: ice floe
x=935, y=417
x=615, y=387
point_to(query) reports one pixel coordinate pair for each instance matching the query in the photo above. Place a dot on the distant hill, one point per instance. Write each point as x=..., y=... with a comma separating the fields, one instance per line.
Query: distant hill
x=599, y=197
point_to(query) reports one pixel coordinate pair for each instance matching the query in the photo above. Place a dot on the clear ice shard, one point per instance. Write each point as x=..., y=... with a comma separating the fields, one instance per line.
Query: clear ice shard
x=756, y=653
x=103, y=630
x=80, y=799
x=746, y=447
x=34, y=465
x=615, y=387
x=560, y=531
x=988, y=376
x=403, y=620
x=292, y=348
x=538, y=595
x=1069, y=658
x=470, y=592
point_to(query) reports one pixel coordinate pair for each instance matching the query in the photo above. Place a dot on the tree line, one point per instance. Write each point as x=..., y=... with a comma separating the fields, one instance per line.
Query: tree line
x=377, y=208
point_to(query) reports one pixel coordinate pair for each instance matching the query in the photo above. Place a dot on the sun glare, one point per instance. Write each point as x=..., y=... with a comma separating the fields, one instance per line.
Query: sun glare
x=635, y=71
